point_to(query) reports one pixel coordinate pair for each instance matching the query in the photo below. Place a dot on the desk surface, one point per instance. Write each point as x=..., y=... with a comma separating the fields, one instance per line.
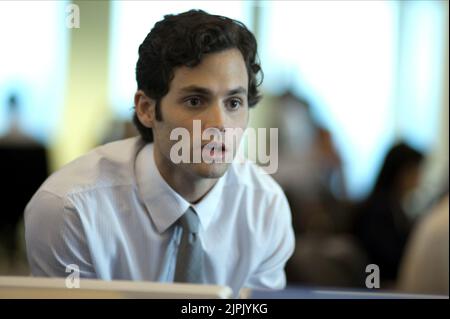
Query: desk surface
x=44, y=288
x=32, y=287
x=298, y=292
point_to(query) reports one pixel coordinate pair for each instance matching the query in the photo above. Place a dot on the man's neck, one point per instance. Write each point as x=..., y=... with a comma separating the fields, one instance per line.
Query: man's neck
x=191, y=188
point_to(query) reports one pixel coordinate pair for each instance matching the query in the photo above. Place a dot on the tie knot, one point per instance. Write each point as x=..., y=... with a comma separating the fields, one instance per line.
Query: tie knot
x=189, y=221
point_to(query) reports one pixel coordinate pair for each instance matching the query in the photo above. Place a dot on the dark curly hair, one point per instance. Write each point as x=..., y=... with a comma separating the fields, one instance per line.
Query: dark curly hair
x=182, y=40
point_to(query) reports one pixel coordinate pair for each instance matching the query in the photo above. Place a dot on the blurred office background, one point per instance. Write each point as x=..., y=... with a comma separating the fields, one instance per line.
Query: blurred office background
x=358, y=90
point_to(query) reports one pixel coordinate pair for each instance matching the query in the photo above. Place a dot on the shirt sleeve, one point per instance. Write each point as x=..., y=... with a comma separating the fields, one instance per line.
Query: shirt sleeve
x=55, y=239
x=278, y=245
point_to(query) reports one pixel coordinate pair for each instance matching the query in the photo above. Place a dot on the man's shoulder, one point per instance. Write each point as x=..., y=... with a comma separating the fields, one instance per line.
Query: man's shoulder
x=247, y=174
x=263, y=201
x=107, y=165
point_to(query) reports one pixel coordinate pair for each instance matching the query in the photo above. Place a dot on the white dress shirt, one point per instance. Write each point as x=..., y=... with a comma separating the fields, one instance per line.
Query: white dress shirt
x=112, y=214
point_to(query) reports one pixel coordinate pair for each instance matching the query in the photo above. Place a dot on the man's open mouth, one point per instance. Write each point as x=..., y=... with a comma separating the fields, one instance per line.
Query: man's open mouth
x=214, y=149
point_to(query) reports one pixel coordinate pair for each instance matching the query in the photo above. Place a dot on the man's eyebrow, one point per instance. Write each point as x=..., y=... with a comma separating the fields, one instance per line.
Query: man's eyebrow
x=204, y=91
x=238, y=90
x=196, y=89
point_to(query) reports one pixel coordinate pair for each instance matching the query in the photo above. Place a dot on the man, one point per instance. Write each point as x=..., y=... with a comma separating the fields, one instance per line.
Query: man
x=127, y=210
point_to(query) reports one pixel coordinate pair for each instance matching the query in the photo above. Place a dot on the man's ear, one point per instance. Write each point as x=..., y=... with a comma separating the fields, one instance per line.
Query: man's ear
x=145, y=108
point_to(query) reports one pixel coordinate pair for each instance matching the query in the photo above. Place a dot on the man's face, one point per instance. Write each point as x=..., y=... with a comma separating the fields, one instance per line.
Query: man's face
x=214, y=92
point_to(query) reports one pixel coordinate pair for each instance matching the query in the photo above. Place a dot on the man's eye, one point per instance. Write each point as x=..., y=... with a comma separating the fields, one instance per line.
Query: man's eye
x=193, y=102
x=234, y=104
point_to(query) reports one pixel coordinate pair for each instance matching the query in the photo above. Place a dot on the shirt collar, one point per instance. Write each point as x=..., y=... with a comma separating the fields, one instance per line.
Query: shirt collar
x=163, y=203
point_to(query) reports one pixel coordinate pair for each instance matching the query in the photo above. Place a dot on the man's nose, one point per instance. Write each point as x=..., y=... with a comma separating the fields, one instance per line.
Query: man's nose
x=215, y=117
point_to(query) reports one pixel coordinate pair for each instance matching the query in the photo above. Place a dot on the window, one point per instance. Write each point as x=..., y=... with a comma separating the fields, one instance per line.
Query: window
x=371, y=70
x=32, y=63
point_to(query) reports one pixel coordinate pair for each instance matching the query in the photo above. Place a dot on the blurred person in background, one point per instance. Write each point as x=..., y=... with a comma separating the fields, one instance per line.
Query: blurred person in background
x=425, y=265
x=381, y=223
x=24, y=165
x=310, y=172
x=310, y=168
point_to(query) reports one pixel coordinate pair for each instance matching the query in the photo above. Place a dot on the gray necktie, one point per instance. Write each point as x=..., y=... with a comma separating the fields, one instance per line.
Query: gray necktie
x=189, y=266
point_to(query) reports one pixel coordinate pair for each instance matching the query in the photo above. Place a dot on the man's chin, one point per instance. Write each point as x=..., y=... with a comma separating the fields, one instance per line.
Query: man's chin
x=213, y=170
